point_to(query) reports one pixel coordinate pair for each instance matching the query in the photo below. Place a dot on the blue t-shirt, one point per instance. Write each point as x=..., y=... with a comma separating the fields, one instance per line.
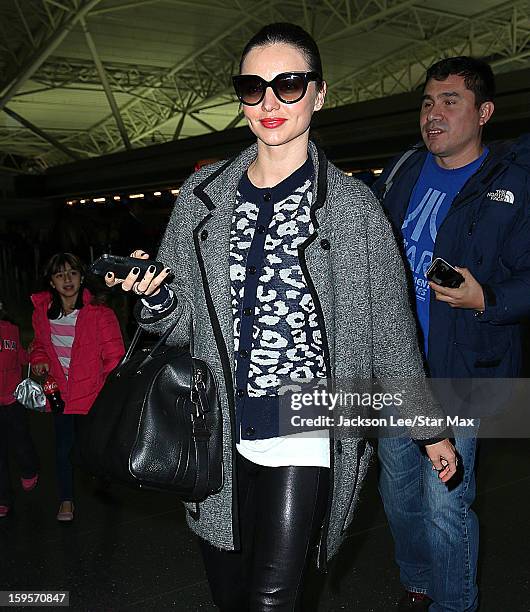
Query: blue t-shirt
x=431, y=198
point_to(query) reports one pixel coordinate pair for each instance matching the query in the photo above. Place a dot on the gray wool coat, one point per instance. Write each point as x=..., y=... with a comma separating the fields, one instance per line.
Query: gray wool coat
x=355, y=274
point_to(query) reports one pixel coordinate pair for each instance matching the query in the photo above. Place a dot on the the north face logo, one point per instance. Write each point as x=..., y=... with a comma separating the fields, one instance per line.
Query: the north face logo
x=502, y=195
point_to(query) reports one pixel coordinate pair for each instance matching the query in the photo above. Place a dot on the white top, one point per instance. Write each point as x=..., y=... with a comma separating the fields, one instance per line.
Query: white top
x=302, y=449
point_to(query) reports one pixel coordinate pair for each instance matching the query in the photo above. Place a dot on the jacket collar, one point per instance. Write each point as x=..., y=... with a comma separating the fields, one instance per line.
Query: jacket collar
x=219, y=189
x=500, y=155
x=495, y=163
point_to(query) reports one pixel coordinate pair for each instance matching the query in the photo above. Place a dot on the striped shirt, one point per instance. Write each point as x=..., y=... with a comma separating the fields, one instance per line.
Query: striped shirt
x=63, y=334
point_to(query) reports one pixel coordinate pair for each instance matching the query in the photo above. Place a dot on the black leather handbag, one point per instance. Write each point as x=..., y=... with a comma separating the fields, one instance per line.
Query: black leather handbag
x=156, y=423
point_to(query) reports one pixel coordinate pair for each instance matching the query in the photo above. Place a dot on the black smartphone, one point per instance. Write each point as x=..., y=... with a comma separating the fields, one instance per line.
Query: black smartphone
x=121, y=266
x=443, y=273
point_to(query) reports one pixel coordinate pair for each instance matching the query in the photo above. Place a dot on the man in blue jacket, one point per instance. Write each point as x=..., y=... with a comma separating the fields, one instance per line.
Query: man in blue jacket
x=457, y=199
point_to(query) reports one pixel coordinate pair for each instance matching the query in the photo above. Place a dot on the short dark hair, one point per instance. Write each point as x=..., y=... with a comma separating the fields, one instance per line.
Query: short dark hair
x=288, y=34
x=478, y=75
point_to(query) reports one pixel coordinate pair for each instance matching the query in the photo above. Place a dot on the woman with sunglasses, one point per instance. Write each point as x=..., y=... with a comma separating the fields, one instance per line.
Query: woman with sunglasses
x=286, y=267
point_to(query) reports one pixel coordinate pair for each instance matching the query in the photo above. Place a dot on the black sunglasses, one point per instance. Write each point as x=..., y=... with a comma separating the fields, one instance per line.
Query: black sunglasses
x=288, y=87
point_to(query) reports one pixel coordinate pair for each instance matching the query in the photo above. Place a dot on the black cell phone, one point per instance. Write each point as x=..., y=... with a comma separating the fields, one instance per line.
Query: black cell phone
x=443, y=273
x=121, y=266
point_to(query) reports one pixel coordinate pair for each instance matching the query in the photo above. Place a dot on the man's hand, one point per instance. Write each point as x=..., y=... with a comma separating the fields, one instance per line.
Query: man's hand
x=443, y=459
x=468, y=295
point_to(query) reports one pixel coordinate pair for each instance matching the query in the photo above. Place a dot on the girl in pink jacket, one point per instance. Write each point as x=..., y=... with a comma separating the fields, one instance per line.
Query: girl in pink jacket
x=77, y=343
x=14, y=430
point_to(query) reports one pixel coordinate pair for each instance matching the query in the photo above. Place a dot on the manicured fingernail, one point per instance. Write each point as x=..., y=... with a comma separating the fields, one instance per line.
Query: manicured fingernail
x=135, y=270
x=151, y=269
x=108, y=275
x=167, y=270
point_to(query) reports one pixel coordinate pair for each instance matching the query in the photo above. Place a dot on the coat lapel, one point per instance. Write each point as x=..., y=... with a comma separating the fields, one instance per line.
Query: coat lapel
x=212, y=237
x=315, y=259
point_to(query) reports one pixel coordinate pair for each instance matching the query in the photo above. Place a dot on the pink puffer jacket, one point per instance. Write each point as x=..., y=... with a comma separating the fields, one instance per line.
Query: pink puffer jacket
x=97, y=349
x=12, y=358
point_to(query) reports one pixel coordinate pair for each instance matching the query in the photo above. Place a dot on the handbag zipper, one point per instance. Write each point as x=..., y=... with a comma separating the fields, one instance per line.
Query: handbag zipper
x=200, y=429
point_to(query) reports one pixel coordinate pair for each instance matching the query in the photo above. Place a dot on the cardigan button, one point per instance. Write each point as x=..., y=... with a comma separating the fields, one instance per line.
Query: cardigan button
x=325, y=244
x=267, y=197
x=243, y=353
x=251, y=269
x=260, y=229
x=204, y=234
x=250, y=431
x=247, y=312
x=240, y=393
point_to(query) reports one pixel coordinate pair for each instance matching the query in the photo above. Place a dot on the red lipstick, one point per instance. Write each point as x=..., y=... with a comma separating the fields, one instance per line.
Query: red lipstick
x=272, y=122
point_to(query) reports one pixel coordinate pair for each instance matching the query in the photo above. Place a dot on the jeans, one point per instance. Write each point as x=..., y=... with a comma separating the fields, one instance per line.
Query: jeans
x=15, y=437
x=435, y=531
x=281, y=513
x=65, y=426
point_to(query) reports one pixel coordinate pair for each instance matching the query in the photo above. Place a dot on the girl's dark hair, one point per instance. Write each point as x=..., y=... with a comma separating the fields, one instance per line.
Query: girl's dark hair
x=56, y=264
x=288, y=34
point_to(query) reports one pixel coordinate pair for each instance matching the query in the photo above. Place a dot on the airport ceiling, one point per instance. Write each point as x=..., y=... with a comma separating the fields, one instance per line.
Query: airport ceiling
x=84, y=78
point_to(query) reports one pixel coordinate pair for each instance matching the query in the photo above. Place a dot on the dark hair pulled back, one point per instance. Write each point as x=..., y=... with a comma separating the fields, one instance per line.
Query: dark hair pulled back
x=287, y=34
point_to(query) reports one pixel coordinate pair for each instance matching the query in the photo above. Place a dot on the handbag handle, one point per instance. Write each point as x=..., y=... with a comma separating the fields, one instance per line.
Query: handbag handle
x=158, y=344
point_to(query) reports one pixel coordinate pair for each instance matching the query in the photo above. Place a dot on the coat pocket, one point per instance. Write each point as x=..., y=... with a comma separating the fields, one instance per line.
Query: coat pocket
x=481, y=387
x=493, y=361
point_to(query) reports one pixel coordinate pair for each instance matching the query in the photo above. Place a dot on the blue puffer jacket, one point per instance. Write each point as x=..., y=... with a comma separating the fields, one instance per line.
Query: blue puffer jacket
x=487, y=230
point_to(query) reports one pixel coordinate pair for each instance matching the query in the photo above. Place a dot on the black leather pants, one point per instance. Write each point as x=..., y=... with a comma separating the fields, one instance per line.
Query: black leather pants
x=281, y=512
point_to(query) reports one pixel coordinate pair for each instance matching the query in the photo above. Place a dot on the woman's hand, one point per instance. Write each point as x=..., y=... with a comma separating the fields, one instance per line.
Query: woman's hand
x=40, y=369
x=149, y=285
